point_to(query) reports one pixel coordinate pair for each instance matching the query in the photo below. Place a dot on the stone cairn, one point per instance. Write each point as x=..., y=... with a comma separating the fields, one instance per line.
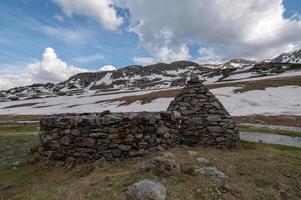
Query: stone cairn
x=195, y=116
x=204, y=120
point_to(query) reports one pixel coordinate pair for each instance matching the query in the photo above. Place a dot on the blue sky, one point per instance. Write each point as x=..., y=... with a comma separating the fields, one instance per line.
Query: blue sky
x=24, y=37
x=292, y=7
x=83, y=34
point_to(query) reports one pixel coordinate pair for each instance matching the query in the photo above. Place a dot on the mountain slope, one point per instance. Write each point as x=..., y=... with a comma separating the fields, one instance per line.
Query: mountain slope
x=291, y=57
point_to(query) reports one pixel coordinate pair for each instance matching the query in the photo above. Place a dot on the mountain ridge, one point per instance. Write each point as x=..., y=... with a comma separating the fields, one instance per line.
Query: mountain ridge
x=155, y=76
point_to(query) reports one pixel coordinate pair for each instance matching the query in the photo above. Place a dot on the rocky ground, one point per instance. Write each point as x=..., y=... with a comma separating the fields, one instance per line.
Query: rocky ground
x=255, y=171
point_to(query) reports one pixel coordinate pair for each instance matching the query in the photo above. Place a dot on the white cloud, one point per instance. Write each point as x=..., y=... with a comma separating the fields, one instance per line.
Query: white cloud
x=90, y=58
x=10, y=80
x=208, y=56
x=165, y=54
x=68, y=35
x=49, y=69
x=59, y=18
x=101, y=10
x=107, y=68
x=249, y=28
x=143, y=60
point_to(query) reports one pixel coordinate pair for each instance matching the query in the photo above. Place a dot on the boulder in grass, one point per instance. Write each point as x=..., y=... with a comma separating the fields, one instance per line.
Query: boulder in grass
x=163, y=166
x=211, y=171
x=146, y=190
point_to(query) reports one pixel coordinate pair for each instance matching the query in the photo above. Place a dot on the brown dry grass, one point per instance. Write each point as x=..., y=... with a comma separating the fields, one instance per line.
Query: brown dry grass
x=144, y=98
x=285, y=120
x=259, y=84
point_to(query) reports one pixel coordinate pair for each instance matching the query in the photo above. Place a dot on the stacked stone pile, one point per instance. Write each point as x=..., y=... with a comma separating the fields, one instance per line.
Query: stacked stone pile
x=106, y=135
x=204, y=120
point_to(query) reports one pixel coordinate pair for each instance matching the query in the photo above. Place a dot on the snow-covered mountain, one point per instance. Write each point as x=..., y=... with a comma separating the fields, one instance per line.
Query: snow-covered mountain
x=291, y=57
x=157, y=76
x=133, y=77
x=233, y=64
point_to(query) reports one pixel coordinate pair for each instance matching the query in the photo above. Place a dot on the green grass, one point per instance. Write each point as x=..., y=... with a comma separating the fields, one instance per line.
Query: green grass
x=268, y=130
x=19, y=138
x=284, y=148
x=17, y=128
x=16, y=135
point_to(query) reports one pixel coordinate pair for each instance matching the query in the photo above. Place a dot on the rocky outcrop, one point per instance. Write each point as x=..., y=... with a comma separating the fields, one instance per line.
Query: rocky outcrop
x=204, y=120
x=195, y=117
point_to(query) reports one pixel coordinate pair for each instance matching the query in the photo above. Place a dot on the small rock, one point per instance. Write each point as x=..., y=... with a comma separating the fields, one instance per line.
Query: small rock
x=216, y=105
x=167, y=166
x=192, y=153
x=214, y=118
x=17, y=163
x=124, y=147
x=98, y=135
x=166, y=135
x=134, y=153
x=212, y=171
x=216, y=129
x=85, y=142
x=162, y=130
x=65, y=140
x=146, y=190
x=168, y=155
x=100, y=162
x=110, y=120
x=116, y=153
x=204, y=161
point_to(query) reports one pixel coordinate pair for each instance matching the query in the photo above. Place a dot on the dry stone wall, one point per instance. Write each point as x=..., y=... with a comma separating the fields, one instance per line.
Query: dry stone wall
x=195, y=116
x=107, y=135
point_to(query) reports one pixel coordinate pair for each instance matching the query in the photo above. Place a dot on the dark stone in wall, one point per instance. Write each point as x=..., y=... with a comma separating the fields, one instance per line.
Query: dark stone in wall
x=195, y=116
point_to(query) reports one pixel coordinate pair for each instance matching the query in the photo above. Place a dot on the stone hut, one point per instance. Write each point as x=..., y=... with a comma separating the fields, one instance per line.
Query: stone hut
x=194, y=117
x=204, y=120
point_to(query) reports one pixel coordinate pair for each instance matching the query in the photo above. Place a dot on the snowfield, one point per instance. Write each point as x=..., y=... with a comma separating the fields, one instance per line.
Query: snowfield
x=272, y=101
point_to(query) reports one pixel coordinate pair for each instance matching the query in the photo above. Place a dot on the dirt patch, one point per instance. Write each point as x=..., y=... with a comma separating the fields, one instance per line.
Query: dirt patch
x=46, y=106
x=72, y=106
x=259, y=84
x=144, y=98
x=110, y=93
x=21, y=105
